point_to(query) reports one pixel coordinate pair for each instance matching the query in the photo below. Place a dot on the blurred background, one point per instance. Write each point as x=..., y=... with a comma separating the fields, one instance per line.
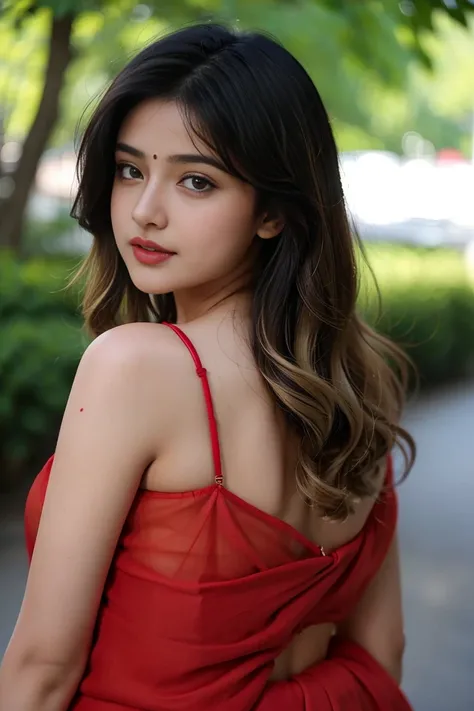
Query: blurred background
x=398, y=81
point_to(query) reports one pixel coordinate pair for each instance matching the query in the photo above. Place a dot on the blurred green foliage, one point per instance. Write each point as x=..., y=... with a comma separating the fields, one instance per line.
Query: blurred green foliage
x=41, y=344
x=363, y=56
x=48, y=236
x=427, y=306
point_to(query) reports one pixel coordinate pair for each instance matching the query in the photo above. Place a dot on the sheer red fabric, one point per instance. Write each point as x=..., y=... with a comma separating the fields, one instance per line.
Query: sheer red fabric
x=205, y=591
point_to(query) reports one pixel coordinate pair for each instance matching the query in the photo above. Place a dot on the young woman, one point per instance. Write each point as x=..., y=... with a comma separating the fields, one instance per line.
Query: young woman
x=217, y=527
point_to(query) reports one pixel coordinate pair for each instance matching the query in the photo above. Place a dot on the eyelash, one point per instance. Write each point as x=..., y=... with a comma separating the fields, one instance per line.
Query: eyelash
x=119, y=170
x=121, y=166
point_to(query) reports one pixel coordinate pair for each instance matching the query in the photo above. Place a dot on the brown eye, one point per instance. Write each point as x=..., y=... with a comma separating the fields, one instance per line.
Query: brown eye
x=128, y=172
x=197, y=184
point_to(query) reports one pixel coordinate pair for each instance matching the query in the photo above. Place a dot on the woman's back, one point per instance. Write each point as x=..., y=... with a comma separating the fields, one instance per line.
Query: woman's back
x=259, y=456
x=258, y=453
x=258, y=450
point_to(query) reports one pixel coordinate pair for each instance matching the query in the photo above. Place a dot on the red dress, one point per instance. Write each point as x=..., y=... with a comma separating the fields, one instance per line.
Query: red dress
x=205, y=591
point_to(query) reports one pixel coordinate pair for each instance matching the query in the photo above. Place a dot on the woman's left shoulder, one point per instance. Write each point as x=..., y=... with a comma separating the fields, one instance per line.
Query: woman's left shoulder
x=132, y=340
x=123, y=350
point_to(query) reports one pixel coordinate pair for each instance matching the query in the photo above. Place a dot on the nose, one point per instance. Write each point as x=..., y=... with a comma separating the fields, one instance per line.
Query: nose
x=149, y=210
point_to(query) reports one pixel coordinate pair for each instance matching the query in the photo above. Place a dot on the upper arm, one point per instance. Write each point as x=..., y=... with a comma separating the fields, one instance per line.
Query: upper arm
x=103, y=449
x=377, y=621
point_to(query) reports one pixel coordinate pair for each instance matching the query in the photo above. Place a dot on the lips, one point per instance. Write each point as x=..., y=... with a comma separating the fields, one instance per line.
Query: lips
x=149, y=246
x=149, y=253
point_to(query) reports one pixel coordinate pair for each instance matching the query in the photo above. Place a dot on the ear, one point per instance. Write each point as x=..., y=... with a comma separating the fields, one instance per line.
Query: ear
x=270, y=226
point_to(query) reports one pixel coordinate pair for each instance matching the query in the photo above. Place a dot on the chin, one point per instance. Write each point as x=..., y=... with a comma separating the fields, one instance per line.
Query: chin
x=151, y=286
x=147, y=279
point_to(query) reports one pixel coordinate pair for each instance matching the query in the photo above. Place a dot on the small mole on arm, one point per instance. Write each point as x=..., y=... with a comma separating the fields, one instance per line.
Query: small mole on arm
x=154, y=156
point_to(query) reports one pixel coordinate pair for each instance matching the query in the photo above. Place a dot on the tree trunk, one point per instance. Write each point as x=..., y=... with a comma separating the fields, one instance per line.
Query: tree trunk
x=13, y=209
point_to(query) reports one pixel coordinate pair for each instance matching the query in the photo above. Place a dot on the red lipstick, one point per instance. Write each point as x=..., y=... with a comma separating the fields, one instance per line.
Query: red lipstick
x=148, y=252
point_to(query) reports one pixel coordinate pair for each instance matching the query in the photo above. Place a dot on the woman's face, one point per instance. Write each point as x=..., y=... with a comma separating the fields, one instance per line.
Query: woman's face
x=183, y=202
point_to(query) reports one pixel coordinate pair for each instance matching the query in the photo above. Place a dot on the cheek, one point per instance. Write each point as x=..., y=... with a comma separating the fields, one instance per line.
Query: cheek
x=116, y=209
x=120, y=214
x=226, y=226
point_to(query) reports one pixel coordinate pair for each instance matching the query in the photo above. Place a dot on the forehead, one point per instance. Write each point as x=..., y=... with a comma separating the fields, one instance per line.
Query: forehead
x=157, y=123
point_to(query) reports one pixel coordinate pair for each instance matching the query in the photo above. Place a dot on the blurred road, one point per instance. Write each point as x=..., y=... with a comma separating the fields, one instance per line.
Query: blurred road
x=437, y=539
x=437, y=542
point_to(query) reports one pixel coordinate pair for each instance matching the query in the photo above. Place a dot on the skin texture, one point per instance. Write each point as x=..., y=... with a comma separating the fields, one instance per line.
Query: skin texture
x=136, y=418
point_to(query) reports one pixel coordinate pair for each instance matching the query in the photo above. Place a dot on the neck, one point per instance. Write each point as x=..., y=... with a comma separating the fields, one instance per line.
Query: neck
x=237, y=301
x=231, y=294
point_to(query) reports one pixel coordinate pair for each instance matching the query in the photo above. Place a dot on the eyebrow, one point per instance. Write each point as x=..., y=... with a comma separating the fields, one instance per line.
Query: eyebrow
x=178, y=158
x=125, y=148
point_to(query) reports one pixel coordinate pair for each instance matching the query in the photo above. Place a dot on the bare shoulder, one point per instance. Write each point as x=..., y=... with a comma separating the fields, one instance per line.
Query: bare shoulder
x=132, y=342
x=132, y=356
x=131, y=372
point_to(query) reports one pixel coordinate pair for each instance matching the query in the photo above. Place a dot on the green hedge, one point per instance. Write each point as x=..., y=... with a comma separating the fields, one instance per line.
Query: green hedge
x=40, y=346
x=427, y=306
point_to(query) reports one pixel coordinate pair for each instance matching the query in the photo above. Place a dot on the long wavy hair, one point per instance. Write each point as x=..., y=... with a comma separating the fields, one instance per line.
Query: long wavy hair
x=340, y=385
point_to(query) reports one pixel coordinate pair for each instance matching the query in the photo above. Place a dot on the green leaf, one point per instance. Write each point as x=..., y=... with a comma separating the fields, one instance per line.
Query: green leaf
x=423, y=15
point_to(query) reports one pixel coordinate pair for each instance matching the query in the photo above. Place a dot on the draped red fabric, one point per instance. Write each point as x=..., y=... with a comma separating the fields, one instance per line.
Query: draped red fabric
x=205, y=591
x=349, y=680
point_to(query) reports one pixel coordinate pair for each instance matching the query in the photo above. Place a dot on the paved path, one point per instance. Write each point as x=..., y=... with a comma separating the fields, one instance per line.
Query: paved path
x=437, y=538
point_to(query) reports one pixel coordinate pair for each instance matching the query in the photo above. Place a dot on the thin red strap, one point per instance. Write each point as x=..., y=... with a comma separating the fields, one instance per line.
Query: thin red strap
x=202, y=373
